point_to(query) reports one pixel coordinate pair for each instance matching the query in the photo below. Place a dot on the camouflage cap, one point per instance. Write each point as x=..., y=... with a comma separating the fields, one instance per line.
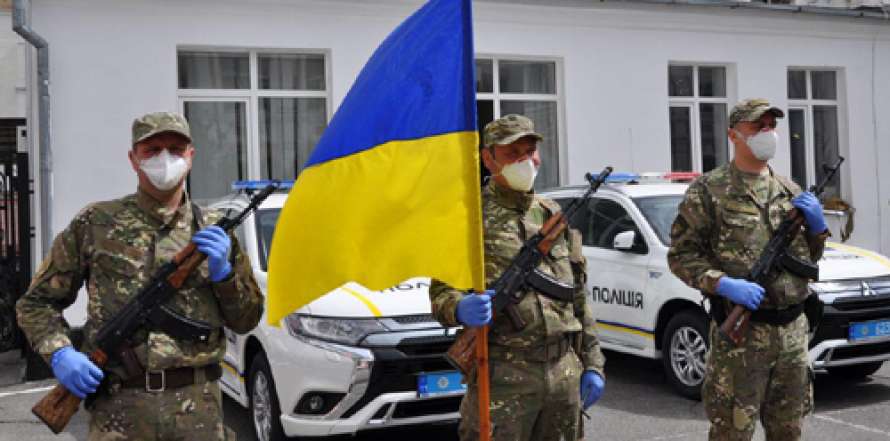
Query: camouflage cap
x=752, y=109
x=151, y=124
x=507, y=129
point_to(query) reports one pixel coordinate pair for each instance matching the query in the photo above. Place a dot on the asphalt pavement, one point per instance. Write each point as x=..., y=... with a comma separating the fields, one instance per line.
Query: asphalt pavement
x=638, y=405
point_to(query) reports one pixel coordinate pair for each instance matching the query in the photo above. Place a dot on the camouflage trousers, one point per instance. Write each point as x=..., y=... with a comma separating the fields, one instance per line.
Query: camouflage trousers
x=536, y=401
x=768, y=376
x=190, y=413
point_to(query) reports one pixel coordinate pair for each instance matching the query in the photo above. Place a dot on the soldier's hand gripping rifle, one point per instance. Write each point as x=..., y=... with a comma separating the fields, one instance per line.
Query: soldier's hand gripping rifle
x=57, y=407
x=510, y=285
x=775, y=257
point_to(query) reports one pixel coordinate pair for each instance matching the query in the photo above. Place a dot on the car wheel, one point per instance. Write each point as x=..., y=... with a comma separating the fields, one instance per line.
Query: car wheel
x=684, y=346
x=264, y=410
x=855, y=371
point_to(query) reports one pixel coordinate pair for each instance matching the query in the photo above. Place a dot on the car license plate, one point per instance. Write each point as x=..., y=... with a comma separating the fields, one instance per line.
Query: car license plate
x=869, y=330
x=439, y=383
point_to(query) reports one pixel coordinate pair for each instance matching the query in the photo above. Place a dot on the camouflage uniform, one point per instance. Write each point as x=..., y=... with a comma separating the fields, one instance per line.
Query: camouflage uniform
x=113, y=248
x=723, y=224
x=534, y=378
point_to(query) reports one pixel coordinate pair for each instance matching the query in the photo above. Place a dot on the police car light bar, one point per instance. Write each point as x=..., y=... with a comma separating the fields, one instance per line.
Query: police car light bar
x=651, y=177
x=622, y=177
x=681, y=176
x=261, y=184
x=670, y=176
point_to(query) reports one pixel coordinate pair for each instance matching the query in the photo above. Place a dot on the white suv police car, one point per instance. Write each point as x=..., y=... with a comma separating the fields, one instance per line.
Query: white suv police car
x=350, y=361
x=643, y=309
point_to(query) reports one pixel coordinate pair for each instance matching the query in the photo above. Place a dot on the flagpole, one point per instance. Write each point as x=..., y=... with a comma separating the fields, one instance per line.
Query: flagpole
x=482, y=377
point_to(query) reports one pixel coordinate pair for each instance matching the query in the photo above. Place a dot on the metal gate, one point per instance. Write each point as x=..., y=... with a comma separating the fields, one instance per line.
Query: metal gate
x=15, y=242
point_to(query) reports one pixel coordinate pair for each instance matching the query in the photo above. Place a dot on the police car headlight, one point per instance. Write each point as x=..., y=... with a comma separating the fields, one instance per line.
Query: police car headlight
x=340, y=330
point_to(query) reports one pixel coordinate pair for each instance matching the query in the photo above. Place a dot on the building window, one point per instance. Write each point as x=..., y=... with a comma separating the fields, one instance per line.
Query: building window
x=698, y=116
x=253, y=114
x=813, y=123
x=526, y=87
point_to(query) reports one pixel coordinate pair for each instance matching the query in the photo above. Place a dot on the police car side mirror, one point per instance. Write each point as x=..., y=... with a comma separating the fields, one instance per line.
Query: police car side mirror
x=624, y=240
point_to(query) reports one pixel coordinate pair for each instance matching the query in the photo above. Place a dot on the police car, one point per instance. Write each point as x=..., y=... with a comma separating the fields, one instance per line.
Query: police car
x=352, y=360
x=643, y=309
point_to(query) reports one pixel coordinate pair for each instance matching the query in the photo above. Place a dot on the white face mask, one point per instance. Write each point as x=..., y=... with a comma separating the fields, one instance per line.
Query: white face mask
x=164, y=170
x=763, y=144
x=520, y=175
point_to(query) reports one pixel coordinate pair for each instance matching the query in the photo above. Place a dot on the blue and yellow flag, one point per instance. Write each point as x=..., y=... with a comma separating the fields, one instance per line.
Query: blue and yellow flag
x=391, y=191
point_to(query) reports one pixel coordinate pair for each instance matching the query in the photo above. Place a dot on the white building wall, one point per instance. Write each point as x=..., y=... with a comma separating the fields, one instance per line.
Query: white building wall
x=112, y=61
x=13, y=95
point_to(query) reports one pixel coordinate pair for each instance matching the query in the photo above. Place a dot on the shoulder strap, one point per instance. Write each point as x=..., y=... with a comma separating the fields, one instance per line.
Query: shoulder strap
x=197, y=217
x=790, y=187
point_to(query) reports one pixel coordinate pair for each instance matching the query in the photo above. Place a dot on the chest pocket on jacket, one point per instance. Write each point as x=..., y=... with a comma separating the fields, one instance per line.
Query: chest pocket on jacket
x=742, y=234
x=117, y=258
x=740, y=215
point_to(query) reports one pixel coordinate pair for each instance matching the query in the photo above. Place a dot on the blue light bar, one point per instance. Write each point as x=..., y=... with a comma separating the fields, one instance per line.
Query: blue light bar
x=261, y=184
x=616, y=177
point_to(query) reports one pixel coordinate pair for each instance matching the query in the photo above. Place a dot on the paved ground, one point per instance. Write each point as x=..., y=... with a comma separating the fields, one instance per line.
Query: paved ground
x=638, y=406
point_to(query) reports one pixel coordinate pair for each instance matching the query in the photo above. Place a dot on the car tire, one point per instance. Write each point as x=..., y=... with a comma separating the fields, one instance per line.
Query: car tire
x=264, y=410
x=684, y=346
x=856, y=371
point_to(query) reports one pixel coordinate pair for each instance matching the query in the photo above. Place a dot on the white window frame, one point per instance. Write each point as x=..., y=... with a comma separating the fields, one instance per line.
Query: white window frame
x=807, y=104
x=694, y=101
x=558, y=97
x=254, y=93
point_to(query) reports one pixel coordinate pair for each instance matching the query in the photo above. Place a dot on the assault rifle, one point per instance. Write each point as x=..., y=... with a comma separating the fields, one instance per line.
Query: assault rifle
x=775, y=257
x=57, y=407
x=509, y=287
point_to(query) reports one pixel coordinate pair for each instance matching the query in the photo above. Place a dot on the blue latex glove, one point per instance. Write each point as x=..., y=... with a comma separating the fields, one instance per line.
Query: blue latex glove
x=475, y=309
x=741, y=292
x=215, y=243
x=592, y=386
x=76, y=372
x=809, y=205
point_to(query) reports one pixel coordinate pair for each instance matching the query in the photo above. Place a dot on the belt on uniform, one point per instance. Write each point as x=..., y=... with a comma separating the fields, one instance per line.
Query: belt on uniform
x=160, y=380
x=778, y=317
x=775, y=317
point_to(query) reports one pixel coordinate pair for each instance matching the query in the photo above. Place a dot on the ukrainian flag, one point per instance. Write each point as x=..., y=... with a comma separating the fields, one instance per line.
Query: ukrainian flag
x=391, y=191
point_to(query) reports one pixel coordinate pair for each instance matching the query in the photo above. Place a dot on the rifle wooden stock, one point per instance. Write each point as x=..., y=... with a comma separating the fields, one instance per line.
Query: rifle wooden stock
x=187, y=260
x=59, y=405
x=736, y=324
x=462, y=353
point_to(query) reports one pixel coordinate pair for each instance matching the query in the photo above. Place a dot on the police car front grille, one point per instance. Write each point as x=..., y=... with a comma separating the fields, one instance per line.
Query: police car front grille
x=846, y=353
x=862, y=302
x=835, y=323
x=412, y=319
x=395, y=370
x=426, y=345
x=433, y=406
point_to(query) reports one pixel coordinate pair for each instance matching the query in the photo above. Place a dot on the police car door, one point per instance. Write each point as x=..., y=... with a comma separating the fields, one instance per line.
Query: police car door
x=617, y=273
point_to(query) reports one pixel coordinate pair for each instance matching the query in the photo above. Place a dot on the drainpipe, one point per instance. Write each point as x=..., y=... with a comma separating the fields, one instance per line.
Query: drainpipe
x=20, y=9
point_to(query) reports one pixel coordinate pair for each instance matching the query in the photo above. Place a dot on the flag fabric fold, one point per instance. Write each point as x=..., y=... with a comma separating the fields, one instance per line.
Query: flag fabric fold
x=391, y=191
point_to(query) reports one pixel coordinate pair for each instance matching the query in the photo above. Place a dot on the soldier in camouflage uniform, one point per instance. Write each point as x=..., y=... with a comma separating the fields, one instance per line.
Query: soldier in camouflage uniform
x=535, y=372
x=161, y=387
x=727, y=217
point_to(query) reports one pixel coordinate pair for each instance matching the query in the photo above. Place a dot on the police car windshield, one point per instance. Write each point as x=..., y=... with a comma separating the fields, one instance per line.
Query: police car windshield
x=265, y=225
x=660, y=212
